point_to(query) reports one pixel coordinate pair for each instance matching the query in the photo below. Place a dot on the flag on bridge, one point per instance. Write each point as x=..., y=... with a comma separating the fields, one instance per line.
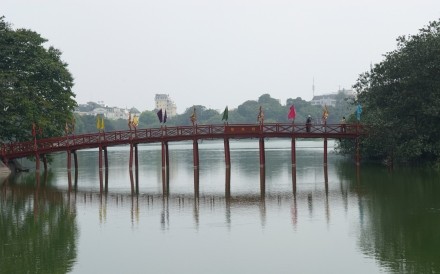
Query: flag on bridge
x=225, y=114
x=260, y=117
x=292, y=113
x=325, y=113
x=193, y=116
x=99, y=122
x=159, y=115
x=135, y=121
x=165, y=117
x=358, y=112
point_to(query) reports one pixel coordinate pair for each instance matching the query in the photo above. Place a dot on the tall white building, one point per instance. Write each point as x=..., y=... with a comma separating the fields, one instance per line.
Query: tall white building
x=163, y=101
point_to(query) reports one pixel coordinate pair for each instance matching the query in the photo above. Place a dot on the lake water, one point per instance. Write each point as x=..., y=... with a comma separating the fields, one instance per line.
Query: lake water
x=335, y=220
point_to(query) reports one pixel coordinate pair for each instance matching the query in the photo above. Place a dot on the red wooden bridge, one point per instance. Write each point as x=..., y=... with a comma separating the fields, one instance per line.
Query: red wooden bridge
x=102, y=140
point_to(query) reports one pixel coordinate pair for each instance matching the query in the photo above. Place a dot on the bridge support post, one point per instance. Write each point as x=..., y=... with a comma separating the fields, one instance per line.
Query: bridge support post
x=164, y=155
x=293, y=152
x=105, y=157
x=69, y=161
x=167, y=161
x=227, y=154
x=69, y=182
x=325, y=151
x=130, y=160
x=228, y=183
x=100, y=169
x=100, y=158
x=262, y=181
x=262, y=168
x=136, y=167
x=358, y=157
x=164, y=167
x=75, y=161
x=196, y=154
x=44, y=162
x=293, y=156
x=294, y=180
x=37, y=163
x=196, y=167
x=196, y=183
x=130, y=172
x=262, y=154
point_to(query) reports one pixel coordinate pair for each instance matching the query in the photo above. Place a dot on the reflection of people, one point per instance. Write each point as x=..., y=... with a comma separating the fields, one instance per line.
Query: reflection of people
x=308, y=123
x=343, y=124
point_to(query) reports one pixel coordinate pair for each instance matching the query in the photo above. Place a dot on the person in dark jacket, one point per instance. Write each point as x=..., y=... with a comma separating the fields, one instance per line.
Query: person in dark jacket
x=308, y=123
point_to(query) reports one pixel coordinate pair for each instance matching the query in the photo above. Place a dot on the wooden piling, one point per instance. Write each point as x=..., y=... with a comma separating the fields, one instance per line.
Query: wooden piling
x=136, y=167
x=196, y=182
x=196, y=154
x=262, y=153
x=228, y=183
x=164, y=174
x=293, y=153
x=75, y=162
x=325, y=151
x=44, y=162
x=262, y=181
x=167, y=164
x=69, y=181
x=294, y=179
x=100, y=158
x=227, y=153
x=130, y=160
x=358, y=157
x=37, y=163
x=164, y=156
x=130, y=172
x=100, y=169
x=105, y=157
x=69, y=161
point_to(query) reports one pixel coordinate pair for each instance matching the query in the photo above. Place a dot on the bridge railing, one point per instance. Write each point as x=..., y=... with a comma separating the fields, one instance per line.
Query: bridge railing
x=22, y=149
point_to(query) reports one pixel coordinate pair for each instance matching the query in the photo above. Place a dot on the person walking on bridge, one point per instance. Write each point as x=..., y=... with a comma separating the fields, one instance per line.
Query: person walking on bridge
x=343, y=124
x=308, y=123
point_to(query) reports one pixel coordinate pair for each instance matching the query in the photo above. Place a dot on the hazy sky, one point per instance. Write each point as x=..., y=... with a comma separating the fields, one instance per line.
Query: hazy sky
x=217, y=52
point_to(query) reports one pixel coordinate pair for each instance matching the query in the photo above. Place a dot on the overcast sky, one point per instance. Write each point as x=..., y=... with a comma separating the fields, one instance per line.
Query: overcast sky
x=217, y=52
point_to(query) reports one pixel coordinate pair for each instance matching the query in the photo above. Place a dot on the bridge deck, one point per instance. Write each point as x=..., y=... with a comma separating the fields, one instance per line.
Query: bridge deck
x=179, y=133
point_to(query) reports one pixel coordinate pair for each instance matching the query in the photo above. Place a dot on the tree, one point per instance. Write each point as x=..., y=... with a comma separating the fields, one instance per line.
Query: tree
x=401, y=100
x=35, y=86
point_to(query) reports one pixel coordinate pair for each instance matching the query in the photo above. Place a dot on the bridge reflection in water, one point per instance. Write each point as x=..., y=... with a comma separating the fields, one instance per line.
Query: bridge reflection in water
x=164, y=135
x=144, y=201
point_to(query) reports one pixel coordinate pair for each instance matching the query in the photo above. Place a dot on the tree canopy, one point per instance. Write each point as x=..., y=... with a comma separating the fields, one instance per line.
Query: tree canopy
x=35, y=86
x=400, y=97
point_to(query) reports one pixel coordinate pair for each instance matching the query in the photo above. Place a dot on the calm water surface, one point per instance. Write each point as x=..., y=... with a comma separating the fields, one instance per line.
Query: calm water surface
x=339, y=220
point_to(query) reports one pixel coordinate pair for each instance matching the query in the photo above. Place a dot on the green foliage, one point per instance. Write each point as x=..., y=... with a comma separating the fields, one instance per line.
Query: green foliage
x=35, y=86
x=39, y=232
x=401, y=100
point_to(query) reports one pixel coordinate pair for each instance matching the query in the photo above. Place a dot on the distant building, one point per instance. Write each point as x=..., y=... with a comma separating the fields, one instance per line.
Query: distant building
x=329, y=99
x=163, y=101
x=111, y=113
x=325, y=99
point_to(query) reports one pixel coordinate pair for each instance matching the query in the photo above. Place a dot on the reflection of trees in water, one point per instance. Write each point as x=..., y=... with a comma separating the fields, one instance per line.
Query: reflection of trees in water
x=38, y=232
x=401, y=217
